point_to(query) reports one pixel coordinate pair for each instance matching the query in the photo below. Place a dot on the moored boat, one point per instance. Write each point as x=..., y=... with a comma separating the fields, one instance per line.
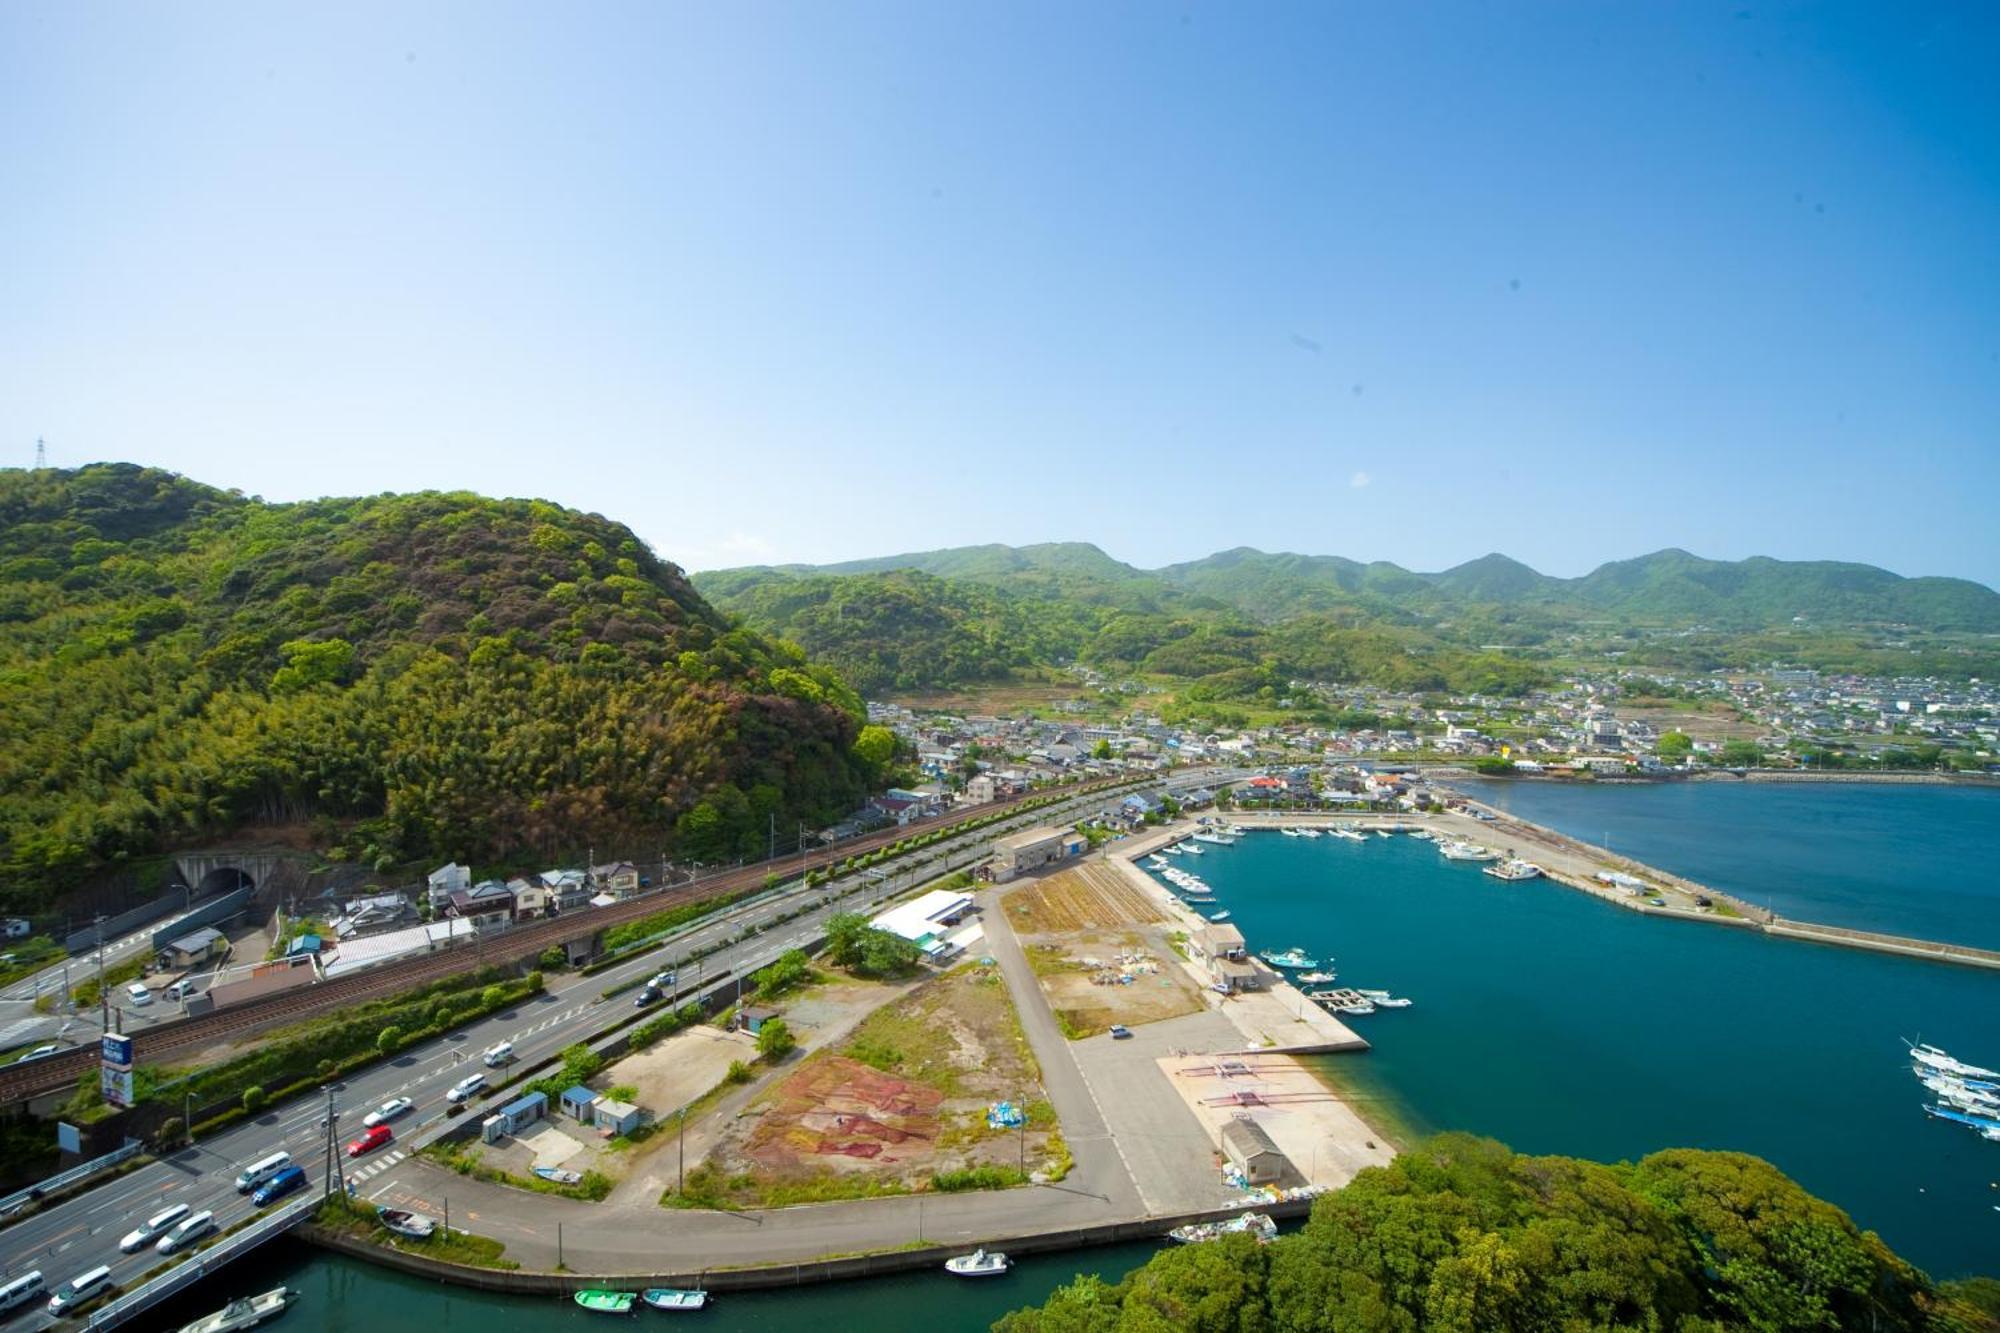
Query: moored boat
x=1219, y=916
x=1291, y=959
x=980, y=1263
x=1934, y=1059
x=558, y=1175
x=244, y=1312
x=1513, y=870
x=674, y=1298
x=606, y=1302
x=1318, y=978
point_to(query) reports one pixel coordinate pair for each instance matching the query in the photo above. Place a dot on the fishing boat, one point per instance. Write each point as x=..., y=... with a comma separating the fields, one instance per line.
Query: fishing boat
x=1214, y=839
x=1384, y=833
x=1255, y=1224
x=1513, y=870
x=1930, y=1057
x=1289, y=832
x=1348, y=834
x=606, y=1302
x=1308, y=833
x=244, y=1312
x=1986, y=1125
x=1468, y=851
x=980, y=1263
x=558, y=1175
x=1382, y=999
x=1193, y=849
x=1318, y=978
x=1220, y=916
x=1172, y=849
x=1356, y=1008
x=406, y=1223
x=1290, y=958
x=674, y=1298
x=1200, y=899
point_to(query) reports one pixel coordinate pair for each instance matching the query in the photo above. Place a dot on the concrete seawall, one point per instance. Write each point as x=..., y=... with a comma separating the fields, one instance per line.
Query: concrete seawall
x=762, y=1277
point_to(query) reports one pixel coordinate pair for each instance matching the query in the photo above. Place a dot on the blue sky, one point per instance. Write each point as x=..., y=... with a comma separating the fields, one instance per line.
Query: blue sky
x=819, y=281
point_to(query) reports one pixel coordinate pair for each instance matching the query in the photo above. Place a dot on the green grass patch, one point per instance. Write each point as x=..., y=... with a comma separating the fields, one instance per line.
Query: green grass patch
x=464, y=1158
x=352, y=1217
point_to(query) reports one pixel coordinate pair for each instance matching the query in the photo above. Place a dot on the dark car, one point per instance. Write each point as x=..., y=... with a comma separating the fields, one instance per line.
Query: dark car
x=646, y=997
x=278, y=1186
x=1119, y=1031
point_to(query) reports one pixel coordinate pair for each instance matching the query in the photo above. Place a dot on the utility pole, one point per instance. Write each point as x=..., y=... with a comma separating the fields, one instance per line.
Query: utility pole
x=680, y=1184
x=772, y=855
x=103, y=996
x=328, y=1191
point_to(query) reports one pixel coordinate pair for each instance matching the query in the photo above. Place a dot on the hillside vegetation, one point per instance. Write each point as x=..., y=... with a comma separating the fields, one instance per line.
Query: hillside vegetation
x=1463, y=1236
x=1243, y=620
x=419, y=675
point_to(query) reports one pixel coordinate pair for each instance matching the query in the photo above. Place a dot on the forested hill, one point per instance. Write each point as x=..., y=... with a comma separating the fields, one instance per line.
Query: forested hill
x=405, y=676
x=1244, y=621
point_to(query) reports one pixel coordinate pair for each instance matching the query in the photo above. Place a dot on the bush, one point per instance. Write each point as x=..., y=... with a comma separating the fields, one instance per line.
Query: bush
x=623, y=1092
x=976, y=1178
x=171, y=1131
x=253, y=1100
x=553, y=959
x=738, y=1072
x=391, y=1037
x=775, y=1040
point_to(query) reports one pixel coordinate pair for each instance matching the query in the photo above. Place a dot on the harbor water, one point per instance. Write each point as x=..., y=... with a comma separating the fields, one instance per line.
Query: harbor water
x=1560, y=1023
x=1904, y=860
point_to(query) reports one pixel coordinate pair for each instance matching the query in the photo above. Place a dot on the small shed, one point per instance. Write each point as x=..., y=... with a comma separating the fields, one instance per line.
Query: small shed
x=754, y=1017
x=576, y=1103
x=1250, y=1150
x=524, y=1111
x=194, y=948
x=304, y=944
x=615, y=1117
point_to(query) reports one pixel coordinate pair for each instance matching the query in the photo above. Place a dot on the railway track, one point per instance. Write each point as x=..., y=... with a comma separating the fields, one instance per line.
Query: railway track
x=56, y=1072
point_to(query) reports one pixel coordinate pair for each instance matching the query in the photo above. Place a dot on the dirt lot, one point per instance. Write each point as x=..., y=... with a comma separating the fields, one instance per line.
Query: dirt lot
x=1717, y=722
x=1096, y=978
x=904, y=1097
x=1093, y=896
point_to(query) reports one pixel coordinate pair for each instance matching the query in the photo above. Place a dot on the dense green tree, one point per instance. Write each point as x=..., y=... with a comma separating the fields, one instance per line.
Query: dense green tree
x=1675, y=746
x=1460, y=1234
x=775, y=1040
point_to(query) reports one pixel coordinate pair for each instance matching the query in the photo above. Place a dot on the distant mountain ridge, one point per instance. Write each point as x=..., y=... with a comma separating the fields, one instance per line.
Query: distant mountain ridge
x=1666, y=587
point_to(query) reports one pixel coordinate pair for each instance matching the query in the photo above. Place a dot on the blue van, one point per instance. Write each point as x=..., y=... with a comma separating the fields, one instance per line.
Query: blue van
x=278, y=1186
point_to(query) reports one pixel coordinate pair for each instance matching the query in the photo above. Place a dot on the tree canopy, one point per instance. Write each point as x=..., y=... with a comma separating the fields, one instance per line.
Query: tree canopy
x=1461, y=1234
x=401, y=676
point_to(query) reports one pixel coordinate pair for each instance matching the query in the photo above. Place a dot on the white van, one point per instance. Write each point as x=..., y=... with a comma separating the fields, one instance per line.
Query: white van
x=461, y=1091
x=150, y=1230
x=80, y=1289
x=139, y=996
x=180, y=990
x=262, y=1170
x=187, y=1233
x=20, y=1291
x=499, y=1054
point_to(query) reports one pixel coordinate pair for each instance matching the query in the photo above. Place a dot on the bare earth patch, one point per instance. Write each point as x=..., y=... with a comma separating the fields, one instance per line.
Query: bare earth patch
x=1097, y=978
x=1092, y=896
x=902, y=1099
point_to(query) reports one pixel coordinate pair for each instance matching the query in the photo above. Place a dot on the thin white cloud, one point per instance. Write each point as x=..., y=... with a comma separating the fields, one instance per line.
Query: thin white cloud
x=1359, y=479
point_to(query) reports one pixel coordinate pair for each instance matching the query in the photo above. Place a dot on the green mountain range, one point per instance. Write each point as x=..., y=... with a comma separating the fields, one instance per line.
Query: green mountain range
x=942, y=619
x=431, y=675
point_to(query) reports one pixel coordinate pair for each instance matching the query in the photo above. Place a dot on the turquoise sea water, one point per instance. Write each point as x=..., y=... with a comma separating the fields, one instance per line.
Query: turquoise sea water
x=1560, y=1023
x=341, y=1296
x=1906, y=860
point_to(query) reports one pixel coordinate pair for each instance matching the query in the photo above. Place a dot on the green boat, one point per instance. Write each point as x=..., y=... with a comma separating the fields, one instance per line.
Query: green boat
x=607, y=1302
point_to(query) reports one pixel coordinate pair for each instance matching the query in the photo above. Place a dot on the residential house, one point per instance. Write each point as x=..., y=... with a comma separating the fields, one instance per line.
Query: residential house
x=618, y=878
x=531, y=897
x=446, y=880
x=568, y=889
x=486, y=904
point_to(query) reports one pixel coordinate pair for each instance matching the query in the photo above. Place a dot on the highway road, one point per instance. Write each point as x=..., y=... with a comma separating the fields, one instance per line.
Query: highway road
x=78, y=1235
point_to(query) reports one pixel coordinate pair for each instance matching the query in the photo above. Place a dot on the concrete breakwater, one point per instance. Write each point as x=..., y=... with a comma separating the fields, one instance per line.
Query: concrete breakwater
x=1578, y=865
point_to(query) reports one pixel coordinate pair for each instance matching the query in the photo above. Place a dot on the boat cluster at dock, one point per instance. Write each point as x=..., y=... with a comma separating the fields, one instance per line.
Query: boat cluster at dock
x=1966, y=1094
x=1196, y=892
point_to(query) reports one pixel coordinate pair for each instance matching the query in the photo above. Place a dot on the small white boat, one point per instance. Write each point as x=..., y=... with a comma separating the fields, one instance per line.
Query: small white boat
x=1219, y=916
x=406, y=1223
x=1290, y=832
x=558, y=1175
x=1317, y=978
x=1192, y=849
x=1513, y=870
x=1308, y=833
x=1349, y=834
x=1383, y=833
x=674, y=1298
x=1930, y=1057
x=980, y=1263
x=245, y=1312
x=1359, y=1009
x=1468, y=851
x=1173, y=849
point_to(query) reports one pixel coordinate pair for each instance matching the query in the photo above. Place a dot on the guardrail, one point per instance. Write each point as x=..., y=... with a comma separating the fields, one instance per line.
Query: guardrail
x=62, y=1180
x=183, y=1276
